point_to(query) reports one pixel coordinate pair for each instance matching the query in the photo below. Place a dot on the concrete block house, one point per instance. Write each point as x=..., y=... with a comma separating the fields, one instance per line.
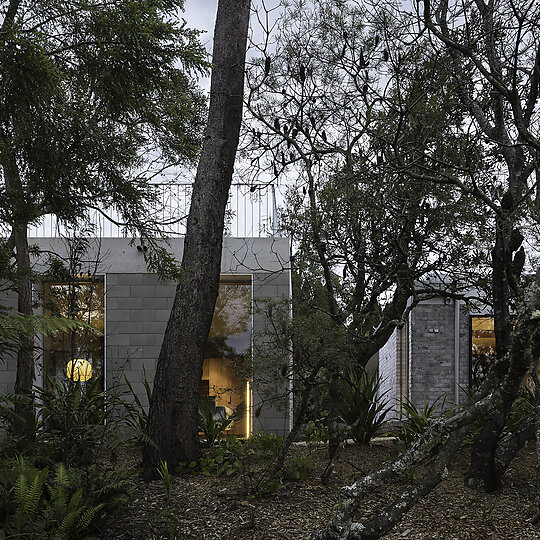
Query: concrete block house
x=131, y=307
x=441, y=351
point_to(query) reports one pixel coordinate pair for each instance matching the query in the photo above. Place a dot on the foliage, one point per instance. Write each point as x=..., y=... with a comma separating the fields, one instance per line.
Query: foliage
x=297, y=468
x=265, y=442
x=75, y=420
x=166, y=479
x=14, y=325
x=213, y=425
x=522, y=408
x=419, y=419
x=137, y=414
x=225, y=458
x=316, y=431
x=63, y=504
x=362, y=408
x=7, y=411
x=96, y=102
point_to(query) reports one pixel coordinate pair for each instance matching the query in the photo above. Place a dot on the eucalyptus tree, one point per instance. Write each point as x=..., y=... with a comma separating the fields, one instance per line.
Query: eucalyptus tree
x=331, y=105
x=95, y=98
x=173, y=416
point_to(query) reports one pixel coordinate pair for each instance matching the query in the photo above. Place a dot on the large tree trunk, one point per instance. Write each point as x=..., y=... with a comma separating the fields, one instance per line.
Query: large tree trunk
x=483, y=472
x=173, y=416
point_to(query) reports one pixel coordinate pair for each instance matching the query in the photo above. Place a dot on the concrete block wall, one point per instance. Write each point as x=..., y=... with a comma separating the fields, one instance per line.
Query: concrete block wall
x=388, y=371
x=137, y=311
x=432, y=360
x=138, y=306
x=274, y=416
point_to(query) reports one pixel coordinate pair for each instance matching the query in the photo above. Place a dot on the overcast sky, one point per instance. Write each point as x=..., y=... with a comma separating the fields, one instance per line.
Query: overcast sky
x=201, y=14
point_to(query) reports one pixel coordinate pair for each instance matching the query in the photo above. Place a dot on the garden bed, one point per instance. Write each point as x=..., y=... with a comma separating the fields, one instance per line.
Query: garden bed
x=208, y=507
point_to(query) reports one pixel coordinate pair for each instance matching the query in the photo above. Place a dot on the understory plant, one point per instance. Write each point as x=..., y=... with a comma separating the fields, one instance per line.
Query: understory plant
x=316, y=431
x=363, y=409
x=136, y=413
x=213, y=425
x=63, y=503
x=418, y=419
x=76, y=420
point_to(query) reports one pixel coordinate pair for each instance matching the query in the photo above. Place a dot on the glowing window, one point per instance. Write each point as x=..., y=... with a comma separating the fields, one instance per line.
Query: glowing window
x=482, y=348
x=227, y=355
x=77, y=354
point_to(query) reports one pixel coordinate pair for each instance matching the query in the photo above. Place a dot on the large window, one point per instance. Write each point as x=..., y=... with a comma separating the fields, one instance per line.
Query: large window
x=482, y=349
x=77, y=355
x=225, y=384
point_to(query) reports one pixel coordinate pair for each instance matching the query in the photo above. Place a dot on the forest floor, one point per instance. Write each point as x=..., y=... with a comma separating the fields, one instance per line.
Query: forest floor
x=215, y=507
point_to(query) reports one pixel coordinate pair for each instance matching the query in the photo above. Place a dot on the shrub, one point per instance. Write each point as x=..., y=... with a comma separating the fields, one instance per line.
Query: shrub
x=298, y=468
x=137, y=414
x=316, y=431
x=75, y=420
x=214, y=425
x=264, y=442
x=362, y=409
x=224, y=458
x=418, y=420
x=36, y=503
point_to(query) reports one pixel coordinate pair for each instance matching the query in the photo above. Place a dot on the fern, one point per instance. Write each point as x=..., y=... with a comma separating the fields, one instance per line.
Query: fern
x=15, y=325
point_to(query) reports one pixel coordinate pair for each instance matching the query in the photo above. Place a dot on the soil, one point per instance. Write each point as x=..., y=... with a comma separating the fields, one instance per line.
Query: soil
x=210, y=507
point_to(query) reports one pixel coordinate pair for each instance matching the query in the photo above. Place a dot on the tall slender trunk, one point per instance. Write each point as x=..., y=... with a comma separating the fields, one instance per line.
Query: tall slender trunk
x=173, y=416
x=24, y=427
x=23, y=424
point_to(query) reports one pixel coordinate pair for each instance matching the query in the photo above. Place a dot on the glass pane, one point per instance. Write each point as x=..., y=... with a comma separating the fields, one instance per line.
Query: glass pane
x=77, y=354
x=228, y=346
x=482, y=348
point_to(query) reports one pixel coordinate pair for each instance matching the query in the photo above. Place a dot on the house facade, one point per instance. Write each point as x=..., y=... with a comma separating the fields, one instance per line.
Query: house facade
x=131, y=307
x=443, y=349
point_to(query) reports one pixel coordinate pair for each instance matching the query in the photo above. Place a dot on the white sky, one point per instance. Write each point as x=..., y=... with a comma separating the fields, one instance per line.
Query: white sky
x=201, y=14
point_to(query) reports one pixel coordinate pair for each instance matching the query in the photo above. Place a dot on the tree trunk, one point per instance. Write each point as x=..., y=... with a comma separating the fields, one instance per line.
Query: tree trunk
x=23, y=424
x=173, y=416
x=483, y=473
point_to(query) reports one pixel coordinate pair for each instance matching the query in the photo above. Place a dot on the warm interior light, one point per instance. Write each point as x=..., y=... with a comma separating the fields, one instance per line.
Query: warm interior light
x=248, y=410
x=79, y=369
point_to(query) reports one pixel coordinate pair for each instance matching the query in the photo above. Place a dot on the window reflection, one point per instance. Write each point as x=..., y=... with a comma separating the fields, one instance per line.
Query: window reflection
x=223, y=384
x=77, y=354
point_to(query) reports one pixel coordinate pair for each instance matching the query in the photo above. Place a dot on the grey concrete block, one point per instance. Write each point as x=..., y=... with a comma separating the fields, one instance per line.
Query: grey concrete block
x=162, y=314
x=125, y=327
x=143, y=315
x=144, y=291
x=119, y=291
x=143, y=339
x=165, y=291
x=116, y=315
x=117, y=339
x=131, y=302
x=156, y=303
